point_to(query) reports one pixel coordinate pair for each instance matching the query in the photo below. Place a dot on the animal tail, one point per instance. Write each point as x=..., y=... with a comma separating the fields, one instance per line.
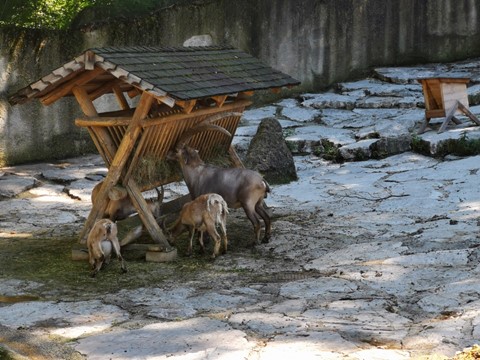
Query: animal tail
x=267, y=188
x=219, y=205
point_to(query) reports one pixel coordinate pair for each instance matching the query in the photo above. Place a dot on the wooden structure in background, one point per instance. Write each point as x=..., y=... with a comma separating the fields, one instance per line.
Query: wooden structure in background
x=445, y=97
x=159, y=93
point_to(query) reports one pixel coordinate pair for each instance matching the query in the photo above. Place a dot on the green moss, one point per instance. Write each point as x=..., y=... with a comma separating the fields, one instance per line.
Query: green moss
x=331, y=152
x=420, y=146
x=461, y=147
x=5, y=354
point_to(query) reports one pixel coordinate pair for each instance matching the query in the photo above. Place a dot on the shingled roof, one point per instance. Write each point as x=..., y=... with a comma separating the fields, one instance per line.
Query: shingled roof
x=182, y=73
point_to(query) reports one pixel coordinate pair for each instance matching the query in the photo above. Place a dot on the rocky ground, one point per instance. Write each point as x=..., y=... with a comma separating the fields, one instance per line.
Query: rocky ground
x=371, y=259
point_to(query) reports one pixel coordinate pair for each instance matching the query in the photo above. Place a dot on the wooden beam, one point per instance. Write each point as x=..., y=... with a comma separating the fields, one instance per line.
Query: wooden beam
x=122, y=101
x=67, y=87
x=84, y=101
x=186, y=105
x=219, y=100
x=133, y=93
x=103, y=89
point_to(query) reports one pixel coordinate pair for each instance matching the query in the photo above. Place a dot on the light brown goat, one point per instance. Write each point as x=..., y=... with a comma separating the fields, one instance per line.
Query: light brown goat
x=101, y=240
x=204, y=213
x=120, y=206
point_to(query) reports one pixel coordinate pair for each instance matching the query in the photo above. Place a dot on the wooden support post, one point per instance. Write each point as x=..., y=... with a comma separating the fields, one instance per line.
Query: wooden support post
x=146, y=216
x=467, y=112
x=424, y=125
x=448, y=117
x=118, y=163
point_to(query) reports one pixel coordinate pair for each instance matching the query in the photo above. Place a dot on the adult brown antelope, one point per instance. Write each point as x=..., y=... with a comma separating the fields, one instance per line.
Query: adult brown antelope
x=239, y=187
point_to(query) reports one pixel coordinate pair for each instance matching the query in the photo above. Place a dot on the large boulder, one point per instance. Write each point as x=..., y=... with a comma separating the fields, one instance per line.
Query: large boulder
x=268, y=154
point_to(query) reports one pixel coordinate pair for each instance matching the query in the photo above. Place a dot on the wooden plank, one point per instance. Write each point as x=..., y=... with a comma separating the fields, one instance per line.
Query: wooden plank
x=239, y=105
x=67, y=87
x=105, y=122
x=435, y=113
x=453, y=92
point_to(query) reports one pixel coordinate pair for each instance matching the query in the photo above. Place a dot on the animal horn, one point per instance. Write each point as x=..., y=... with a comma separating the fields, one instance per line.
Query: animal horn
x=187, y=135
x=205, y=125
x=220, y=116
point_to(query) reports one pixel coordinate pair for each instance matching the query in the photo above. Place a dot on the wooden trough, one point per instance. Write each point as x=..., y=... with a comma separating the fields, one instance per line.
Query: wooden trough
x=160, y=93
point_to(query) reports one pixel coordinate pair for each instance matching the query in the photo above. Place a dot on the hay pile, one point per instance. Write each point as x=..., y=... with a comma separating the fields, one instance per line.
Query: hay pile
x=471, y=353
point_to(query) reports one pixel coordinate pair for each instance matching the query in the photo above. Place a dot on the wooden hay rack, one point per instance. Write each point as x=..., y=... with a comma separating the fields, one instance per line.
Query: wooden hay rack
x=160, y=94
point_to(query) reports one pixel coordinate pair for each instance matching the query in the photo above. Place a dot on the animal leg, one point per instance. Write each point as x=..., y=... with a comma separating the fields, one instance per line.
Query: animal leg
x=260, y=210
x=252, y=216
x=216, y=238
x=190, y=245
x=200, y=241
x=223, y=230
x=116, y=249
x=97, y=267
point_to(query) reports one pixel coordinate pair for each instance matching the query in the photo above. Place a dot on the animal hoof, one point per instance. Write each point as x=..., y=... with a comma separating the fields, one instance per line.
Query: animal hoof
x=265, y=240
x=124, y=271
x=92, y=275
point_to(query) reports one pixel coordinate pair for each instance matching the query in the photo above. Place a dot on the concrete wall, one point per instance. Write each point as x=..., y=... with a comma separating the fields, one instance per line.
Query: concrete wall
x=319, y=42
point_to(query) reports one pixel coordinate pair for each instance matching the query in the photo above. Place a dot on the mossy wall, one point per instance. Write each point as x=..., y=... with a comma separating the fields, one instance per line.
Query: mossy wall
x=319, y=42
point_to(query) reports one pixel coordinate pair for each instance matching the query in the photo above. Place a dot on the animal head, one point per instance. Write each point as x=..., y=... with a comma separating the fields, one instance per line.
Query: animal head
x=185, y=155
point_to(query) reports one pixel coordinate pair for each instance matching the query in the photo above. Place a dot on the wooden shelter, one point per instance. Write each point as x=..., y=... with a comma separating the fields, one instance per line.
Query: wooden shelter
x=160, y=94
x=445, y=97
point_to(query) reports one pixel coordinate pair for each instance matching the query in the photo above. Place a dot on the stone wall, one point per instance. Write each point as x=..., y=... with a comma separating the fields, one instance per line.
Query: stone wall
x=319, y=42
